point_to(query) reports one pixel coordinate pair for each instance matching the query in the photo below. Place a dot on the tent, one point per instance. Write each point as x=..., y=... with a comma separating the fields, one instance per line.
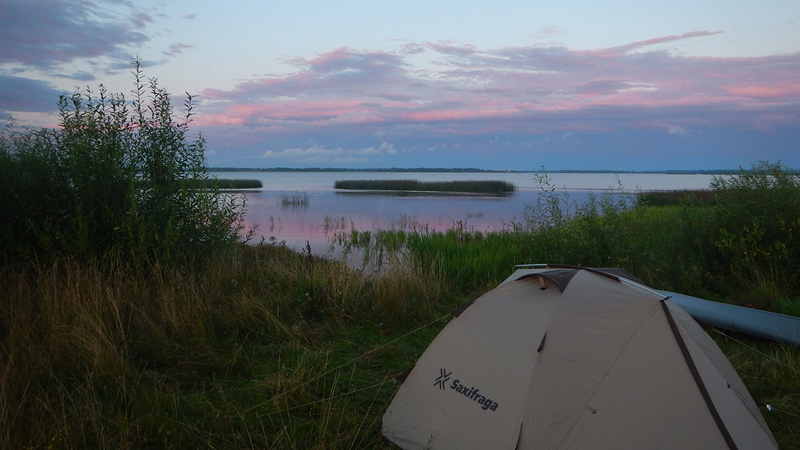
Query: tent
x=561, y=357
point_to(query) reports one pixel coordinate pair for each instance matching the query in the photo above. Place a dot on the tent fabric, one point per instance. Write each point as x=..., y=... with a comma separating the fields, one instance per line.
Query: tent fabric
x=572, y=358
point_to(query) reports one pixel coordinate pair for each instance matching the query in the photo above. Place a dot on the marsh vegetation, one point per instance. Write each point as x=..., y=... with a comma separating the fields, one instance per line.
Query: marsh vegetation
x=294, y=199
x=472, y=186
x=228, y=183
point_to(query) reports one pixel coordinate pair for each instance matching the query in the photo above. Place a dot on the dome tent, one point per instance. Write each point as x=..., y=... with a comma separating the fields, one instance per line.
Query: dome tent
x=565, y=357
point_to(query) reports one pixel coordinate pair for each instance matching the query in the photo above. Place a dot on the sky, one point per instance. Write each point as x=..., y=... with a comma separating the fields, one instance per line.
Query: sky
x=507, y=85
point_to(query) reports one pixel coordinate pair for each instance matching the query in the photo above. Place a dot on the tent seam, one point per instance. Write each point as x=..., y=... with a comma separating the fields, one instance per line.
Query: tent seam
x=698, y=378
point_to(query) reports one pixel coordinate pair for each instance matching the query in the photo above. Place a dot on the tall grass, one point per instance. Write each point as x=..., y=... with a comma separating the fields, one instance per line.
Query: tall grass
x=239, y=356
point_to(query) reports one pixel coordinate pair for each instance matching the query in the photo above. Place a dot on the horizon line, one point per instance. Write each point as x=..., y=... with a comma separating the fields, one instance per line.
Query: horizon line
x=468, y=170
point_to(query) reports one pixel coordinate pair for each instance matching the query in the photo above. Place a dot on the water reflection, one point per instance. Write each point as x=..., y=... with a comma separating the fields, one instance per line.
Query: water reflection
x=300, y=207
x=324, y=216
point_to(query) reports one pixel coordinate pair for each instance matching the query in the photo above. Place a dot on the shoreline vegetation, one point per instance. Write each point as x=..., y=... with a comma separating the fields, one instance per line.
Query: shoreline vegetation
x=675, y=197
x=472, y=187
x=135, y=313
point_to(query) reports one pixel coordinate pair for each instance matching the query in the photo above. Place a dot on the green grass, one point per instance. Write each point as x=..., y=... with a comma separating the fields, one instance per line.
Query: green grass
x=271, y=349
x=474, y=187
x=267, y=349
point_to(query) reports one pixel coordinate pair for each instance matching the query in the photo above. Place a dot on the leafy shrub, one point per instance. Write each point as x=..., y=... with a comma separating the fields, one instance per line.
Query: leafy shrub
x=114, y=177
x=675, y=197
x=756, y=221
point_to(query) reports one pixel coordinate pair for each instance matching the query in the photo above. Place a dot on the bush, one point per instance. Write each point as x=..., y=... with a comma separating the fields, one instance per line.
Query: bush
x=675, y=197
x=112, y=178
x=756, y=222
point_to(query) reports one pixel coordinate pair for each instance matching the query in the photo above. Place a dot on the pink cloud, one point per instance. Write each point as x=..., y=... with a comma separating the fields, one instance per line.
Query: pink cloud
x=217, y=120
x=517, y=89
x=764, y=91
x=455, y=115
x=308, y=111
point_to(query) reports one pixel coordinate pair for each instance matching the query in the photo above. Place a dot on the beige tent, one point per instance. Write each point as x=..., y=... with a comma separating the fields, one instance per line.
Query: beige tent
x=574, y=358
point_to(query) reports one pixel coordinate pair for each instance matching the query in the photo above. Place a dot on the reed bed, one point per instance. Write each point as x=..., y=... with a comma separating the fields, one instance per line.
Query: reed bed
x=294, y=199
x=228, y=183
x=474, y=187
x=223, y=183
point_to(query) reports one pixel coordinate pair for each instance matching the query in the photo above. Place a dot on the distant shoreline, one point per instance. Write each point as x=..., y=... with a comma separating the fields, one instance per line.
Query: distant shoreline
x=472, y=170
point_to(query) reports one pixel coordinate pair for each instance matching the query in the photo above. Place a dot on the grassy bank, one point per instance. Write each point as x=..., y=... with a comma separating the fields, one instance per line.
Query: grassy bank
x=267, y=349
x=473, y=187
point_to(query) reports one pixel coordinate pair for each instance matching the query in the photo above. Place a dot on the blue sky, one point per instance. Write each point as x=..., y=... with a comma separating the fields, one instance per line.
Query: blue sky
x=620, y=84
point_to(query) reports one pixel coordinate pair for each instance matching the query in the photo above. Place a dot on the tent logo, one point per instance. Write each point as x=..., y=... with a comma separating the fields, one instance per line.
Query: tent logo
x=471, y=393
x=474, y=394
x=442, y=378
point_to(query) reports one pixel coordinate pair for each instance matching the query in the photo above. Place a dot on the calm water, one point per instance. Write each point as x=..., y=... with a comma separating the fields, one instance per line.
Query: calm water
x=329, y=211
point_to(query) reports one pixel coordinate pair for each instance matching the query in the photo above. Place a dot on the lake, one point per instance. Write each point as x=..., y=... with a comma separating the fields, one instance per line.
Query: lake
x=329, y=211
